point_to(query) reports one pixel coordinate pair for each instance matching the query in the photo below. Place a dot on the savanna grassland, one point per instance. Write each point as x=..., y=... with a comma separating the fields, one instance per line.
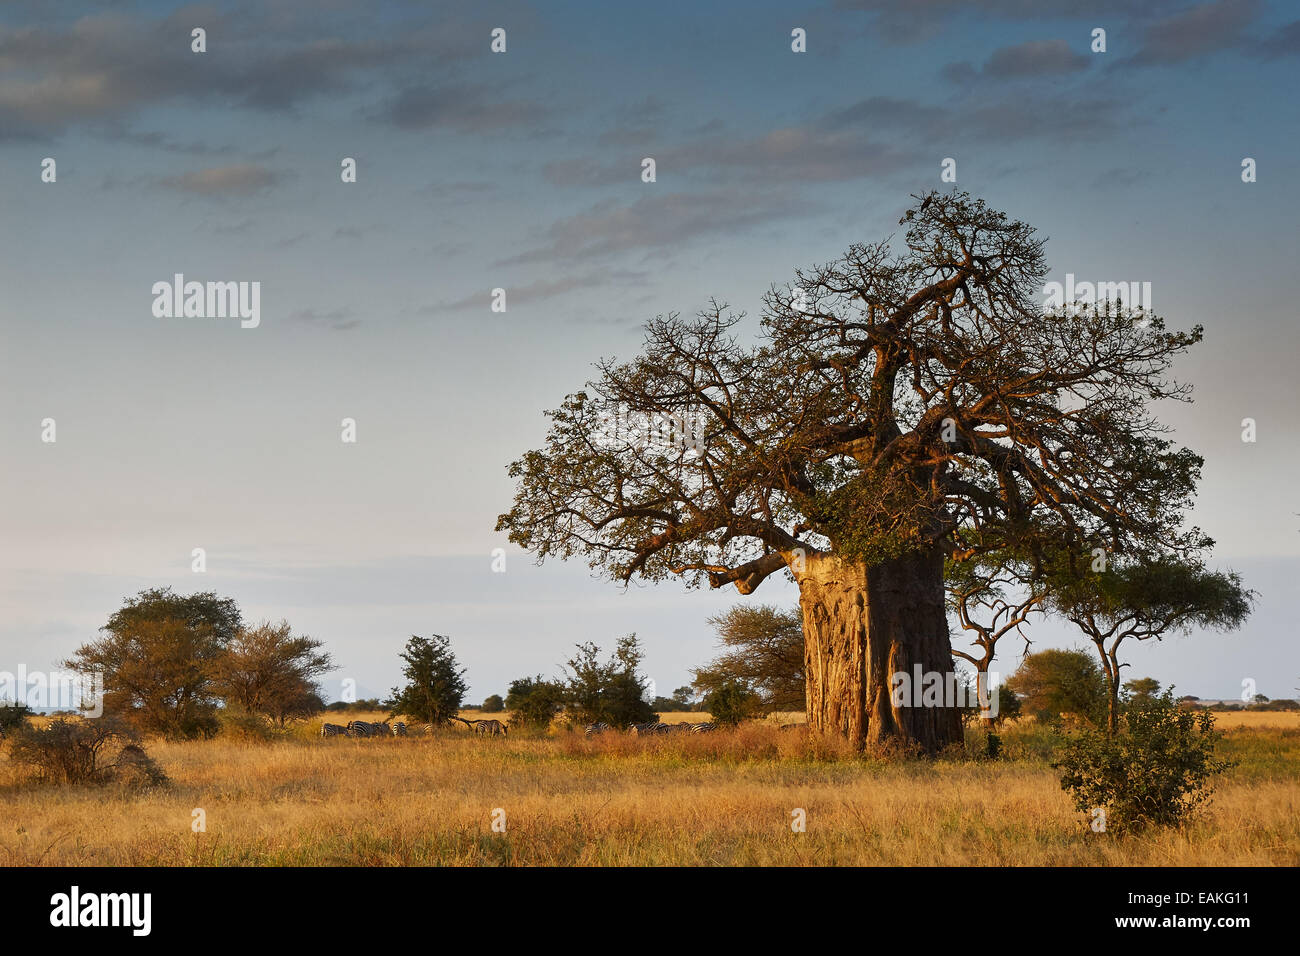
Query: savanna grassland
x=711, y=799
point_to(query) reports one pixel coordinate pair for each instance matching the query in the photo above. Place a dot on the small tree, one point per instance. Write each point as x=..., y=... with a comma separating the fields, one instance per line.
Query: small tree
x=732, y=702
x=612, y=692
x=157, y=658
x=1054, y=682
x=763, y=649
x=268, y=671
x=1155, y=773
x=435, y=683
x=534, y=702
x=991, y=596
x=493, y=704
x=1141, y=689
x=684, y=698
x=1147, y=599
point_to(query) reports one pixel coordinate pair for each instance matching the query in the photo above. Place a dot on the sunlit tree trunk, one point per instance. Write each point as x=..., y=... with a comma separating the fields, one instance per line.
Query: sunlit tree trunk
x=862, y=625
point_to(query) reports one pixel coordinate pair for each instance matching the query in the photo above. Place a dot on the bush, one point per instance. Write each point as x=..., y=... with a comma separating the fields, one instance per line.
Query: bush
x=13, y=717
x=240, y=724
x=102, y=750
x=534, y=702
x=613, y=692
x=493, y=704
x=1155, y=772
x=733, y=701
x=1053, y=683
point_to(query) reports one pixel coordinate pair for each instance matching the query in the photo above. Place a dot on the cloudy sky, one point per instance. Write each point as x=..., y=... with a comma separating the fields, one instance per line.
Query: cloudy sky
x=522, y=170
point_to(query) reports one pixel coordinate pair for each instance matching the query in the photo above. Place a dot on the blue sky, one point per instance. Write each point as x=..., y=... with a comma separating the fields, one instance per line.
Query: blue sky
x=522, y=171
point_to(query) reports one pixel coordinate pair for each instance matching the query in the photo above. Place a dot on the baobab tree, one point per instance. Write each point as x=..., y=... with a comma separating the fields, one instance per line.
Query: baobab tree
x=900, y=409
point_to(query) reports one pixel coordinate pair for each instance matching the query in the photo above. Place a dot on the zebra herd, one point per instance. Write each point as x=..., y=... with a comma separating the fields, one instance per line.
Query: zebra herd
x=361, y=728
x=492, y=728
x=655, y=728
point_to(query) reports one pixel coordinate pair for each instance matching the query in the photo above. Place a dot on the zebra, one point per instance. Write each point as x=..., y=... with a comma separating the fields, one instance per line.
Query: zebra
x=359, y=728
x=648, y=730
x=703, y=728
x=490, y=727
x=592, y=729
x=682, y=728
x=399, y=728
x=333, y=730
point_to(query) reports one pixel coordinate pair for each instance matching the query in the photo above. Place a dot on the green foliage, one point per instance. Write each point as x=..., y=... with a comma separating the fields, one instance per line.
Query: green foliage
x=367, y=705
x=763, y=649
x=1155, y=772
x=493, y=704
x=435, y=682
x=1055, y=682
x=1141, y=689
x=76, y=751
x=610, y=692
x=732, y=702
x=158, y=658
x=534, y=701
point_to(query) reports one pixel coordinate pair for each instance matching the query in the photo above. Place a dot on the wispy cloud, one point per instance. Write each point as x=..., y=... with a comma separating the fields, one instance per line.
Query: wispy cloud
x=241, y=179
x=543, y=289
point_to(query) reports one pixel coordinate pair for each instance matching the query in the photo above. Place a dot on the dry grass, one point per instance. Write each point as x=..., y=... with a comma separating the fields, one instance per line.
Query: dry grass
x=718, y=799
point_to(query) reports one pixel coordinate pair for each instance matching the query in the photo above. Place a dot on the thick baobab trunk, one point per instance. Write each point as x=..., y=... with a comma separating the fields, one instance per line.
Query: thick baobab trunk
x=861, y=627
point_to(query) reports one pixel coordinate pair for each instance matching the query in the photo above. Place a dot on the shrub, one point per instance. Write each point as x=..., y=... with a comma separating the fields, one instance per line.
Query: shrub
x=240, y=724
x=85, y=751
x=733, y=701
x=1056, y=682
x=13, y=717
x=534, y=702
x=612, y=692
x=493, y=704
x=1155, y=772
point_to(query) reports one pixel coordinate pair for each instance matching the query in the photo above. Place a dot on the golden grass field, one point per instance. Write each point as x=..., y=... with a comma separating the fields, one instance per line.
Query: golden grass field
x=716, y=799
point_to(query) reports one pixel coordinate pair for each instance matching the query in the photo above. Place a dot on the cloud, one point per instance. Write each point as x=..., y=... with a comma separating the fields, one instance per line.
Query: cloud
x=106, y=66
x=1204, y=29
x=1036, y=58
x=243, y=179
x=543, y=289
x=1025, y=116
x=339, y=320
x=908, y=21
x=1283, y=42
x=468, y=109
x=658, y=221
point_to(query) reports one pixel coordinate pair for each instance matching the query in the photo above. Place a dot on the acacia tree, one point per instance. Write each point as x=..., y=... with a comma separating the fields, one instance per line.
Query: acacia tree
x=1147, y=599
x=900, y=409
x=271, y=671
x=158, y=657
x=990, y=598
